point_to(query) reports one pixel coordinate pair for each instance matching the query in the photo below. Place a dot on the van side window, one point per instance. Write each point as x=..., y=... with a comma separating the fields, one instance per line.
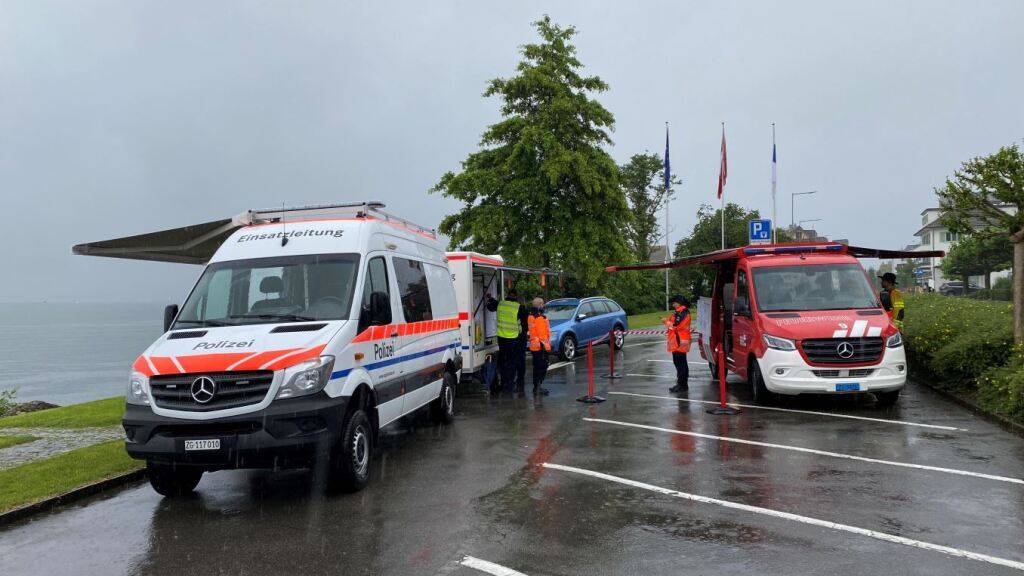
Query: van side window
x=376, y=281
x=742, y=303
x=442, y=292
x=412, y=288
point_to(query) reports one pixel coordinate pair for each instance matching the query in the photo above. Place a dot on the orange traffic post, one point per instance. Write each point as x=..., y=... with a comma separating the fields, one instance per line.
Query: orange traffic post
x=590, y=398
x=723, y=408
x=611, y=357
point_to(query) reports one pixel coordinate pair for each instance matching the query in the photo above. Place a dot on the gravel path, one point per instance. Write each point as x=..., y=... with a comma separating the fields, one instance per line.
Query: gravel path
x=52, y=441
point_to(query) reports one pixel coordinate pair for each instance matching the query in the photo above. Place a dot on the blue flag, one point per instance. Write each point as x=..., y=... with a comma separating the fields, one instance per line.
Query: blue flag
x=668, y=165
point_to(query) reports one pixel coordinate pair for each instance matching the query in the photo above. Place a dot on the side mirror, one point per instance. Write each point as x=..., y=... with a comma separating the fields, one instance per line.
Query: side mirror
x=886, y=300
x=741, y=307
x=170, y=312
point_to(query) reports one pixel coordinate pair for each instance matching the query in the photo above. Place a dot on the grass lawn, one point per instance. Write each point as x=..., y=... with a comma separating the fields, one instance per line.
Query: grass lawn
x=648, y=320
x=7, y=441
x=42, y=479
x=98, y=413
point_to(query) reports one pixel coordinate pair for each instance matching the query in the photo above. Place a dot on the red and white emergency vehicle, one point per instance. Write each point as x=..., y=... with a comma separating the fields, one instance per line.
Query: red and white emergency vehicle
x=800, y=319
x=309, y=330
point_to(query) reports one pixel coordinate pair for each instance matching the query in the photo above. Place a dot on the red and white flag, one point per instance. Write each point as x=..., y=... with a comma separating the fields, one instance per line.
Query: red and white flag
x=723, y=170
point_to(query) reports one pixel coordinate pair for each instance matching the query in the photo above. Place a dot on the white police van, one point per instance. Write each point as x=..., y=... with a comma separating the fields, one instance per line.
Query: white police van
x=309, y=330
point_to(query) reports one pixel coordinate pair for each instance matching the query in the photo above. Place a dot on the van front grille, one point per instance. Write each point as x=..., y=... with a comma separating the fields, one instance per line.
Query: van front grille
x=843, y=350
x=230, y=390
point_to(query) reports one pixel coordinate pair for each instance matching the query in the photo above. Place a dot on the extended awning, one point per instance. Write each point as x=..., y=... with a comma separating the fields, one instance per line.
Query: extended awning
x=796, y=248
x=194, y=244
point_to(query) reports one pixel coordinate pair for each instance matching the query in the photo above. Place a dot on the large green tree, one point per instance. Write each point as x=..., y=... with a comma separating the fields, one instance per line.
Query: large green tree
x=986, y=197
x=707, y=237
x=542, y=190
x=643, y=183
x=978, y=255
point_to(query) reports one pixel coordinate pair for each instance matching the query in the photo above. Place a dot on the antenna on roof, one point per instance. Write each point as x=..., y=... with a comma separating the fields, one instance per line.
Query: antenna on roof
x=284, y=237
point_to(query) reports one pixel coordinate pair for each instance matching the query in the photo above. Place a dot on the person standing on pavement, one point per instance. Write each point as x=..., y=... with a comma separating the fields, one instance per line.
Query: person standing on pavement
x=512, y=325
x=540, y=345
x=892, y=299
x=678, y=325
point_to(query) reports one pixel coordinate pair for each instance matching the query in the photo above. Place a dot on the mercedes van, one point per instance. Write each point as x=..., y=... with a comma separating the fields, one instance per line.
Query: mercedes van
x=308, y=331
x=799, y=319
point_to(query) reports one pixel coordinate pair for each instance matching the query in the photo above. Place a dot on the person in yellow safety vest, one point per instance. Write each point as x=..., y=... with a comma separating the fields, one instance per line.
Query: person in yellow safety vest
x=678, y=325
x=892, y=299
x=512, y=330
x=540, y=345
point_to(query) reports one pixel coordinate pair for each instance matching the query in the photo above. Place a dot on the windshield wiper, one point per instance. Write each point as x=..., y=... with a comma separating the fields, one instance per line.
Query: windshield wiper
x=213, y=323
x=285, y=317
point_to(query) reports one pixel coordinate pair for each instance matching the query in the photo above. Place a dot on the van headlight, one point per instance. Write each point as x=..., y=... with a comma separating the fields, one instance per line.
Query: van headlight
x=778, y=343
x=894, y=341
x=307, y=377
x=138, y=386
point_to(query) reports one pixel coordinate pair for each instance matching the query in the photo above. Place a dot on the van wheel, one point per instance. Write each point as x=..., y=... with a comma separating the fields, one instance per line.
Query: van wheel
x=350, y=468
x=172, y=480
x=762, y=395
x=619, y=339
x=567, y=349
x=442, y=410
x=886, y=399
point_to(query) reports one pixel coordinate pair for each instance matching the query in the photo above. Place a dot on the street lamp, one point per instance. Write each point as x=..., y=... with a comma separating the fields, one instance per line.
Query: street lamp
x=792, y=204
x=801, y=223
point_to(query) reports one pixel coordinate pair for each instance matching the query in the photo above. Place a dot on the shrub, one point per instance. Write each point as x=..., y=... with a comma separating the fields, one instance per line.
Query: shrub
x=7, y=401
x=1001, y=390
x=934, y=322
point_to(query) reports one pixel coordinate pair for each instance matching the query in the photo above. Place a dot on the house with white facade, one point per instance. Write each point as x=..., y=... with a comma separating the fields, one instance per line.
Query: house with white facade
x=934, y=235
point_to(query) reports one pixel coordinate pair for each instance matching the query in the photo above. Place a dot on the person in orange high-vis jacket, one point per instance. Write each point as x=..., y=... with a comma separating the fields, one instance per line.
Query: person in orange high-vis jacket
x=540, y=345
x=678, y=325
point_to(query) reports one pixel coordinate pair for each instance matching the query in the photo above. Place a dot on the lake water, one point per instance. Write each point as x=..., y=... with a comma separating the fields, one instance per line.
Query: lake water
x=68, y=353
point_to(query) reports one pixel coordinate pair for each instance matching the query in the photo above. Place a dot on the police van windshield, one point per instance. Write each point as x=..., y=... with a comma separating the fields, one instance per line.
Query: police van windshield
x=813, y=287
x=268, y=290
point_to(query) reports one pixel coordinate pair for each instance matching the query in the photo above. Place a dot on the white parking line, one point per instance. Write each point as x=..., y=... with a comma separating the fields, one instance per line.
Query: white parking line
x=704, y=364
x=637, y=344
x=813, y=451
x=752, y=406
x=957, y=552
x=489, y=567
x=558, y=365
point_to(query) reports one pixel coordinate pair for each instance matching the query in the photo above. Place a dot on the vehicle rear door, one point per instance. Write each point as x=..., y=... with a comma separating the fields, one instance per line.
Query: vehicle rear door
x=743, y=330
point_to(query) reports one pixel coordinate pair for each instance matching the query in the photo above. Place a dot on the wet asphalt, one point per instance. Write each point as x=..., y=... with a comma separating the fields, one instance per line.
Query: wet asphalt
x=478, y=488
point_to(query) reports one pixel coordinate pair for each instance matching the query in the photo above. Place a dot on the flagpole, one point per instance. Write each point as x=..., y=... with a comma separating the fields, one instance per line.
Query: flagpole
x=721, y=187
x=774, y=178
x=668, y=177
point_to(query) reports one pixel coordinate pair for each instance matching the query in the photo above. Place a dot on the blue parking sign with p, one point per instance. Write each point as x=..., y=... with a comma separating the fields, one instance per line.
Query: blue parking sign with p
x=760, y=231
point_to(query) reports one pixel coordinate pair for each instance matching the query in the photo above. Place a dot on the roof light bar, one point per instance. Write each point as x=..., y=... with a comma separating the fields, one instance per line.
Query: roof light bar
x=794, y=249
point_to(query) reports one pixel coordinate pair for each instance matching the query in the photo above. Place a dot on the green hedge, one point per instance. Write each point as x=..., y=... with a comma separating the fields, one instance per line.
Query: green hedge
x=966, y=346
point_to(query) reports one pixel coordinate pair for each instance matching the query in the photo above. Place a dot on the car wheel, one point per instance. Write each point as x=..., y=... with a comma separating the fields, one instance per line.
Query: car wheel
x=619, y=339
x=350, y=468
x=567, y=349
x=172, y=479
x=442, y=410
x=762, y=395
x=886, y=399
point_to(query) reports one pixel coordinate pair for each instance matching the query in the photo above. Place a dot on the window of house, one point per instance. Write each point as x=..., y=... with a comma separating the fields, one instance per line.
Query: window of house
x=951, y=236
x=926, y=239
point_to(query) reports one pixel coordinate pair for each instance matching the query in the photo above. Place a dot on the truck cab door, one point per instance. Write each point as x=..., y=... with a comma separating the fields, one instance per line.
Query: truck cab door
x=743, y=329
x=377, y=314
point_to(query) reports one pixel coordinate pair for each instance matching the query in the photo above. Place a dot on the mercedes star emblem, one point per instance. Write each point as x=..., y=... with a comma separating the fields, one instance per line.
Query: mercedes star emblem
x=203, y=389
x=844, y=350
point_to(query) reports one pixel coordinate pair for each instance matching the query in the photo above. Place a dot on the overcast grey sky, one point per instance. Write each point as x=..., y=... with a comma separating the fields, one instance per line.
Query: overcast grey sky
x=124, y=117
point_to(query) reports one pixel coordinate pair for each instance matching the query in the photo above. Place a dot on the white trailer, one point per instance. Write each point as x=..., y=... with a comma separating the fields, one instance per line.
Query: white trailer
x=477, y=276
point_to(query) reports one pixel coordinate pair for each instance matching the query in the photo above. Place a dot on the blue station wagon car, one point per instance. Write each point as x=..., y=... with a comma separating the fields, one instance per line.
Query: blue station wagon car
x=578, y=321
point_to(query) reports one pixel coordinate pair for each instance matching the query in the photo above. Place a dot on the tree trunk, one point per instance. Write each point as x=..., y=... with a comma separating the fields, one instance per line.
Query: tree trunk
x=988, y=282
x=1018, y=287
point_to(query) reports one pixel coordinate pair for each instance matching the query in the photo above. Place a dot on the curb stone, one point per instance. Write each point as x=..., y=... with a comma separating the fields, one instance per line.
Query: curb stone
x=71, y=496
